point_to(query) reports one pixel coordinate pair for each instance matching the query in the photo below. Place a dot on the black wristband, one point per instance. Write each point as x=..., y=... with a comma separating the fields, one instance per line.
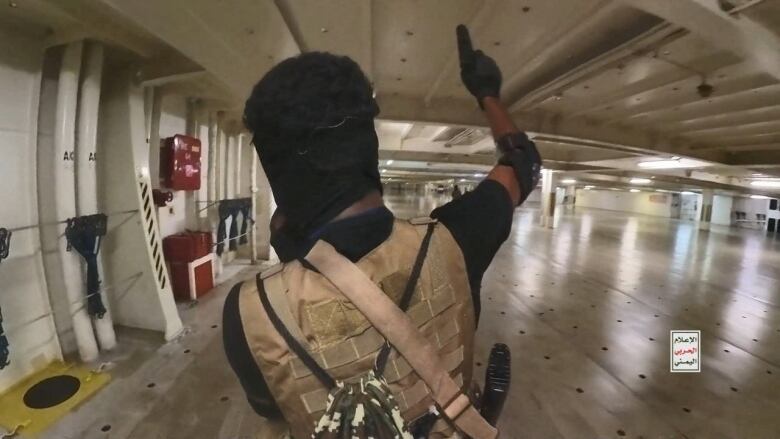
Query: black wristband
x=519, y=152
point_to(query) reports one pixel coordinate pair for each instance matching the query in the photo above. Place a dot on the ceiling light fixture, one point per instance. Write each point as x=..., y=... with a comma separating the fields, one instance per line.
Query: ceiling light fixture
x=759, y=197
x=633, y=190
x=389, y=162
x=687, y=193
x=640, y=181
x=766, y=183
x=568, y=181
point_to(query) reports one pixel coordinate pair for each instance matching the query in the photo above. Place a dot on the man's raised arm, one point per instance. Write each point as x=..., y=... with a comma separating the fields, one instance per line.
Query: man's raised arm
x=519, y=162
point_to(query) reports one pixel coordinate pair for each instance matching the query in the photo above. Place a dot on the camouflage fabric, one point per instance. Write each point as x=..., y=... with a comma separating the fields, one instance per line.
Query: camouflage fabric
x=361, y=410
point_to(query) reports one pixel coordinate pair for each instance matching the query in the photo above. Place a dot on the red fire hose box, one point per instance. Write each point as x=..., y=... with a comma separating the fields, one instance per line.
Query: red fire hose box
x=180, y=162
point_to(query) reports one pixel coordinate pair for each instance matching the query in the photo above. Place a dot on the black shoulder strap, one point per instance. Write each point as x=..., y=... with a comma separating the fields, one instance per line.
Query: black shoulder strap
x=411, y=284
x=294, y=345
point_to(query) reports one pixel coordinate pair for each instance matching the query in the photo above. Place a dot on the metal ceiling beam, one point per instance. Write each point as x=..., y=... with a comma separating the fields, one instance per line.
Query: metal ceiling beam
x=761, y=113
x=287, y=15
x=435, y=157
x=657, y=36
x=738, y=34
x=465, y=113
x=745, y=147
x=556, y=42
x=678, y=77
x=96, y=22
x=759, y=159
x=666, y=107
x=760, y=127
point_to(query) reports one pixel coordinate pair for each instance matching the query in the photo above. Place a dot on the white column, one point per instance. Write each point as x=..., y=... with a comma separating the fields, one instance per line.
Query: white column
x=548, y=198
x=571, y=192
x=86, y=170
x=707, y=196
x=65, y=192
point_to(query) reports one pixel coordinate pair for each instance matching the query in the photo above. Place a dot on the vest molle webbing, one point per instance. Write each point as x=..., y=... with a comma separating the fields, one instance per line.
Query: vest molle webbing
x=343, y=342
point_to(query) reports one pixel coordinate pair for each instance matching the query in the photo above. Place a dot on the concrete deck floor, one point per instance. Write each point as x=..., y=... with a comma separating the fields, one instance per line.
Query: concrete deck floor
x=586, y=310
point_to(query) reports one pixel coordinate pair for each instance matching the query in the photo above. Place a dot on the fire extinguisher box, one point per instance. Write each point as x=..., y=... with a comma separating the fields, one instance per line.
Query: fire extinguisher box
x=180, y=162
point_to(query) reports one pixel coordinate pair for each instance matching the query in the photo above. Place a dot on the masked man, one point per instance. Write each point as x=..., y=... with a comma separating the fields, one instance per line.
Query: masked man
x=312, y=118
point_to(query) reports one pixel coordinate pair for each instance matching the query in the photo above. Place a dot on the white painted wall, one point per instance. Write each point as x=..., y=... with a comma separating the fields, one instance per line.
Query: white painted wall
x=645, y=203
x=751, y=207
x=721, y=210
x=24, y=299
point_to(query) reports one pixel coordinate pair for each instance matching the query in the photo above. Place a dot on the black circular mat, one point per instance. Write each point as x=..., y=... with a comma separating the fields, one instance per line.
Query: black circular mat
x=51, y=391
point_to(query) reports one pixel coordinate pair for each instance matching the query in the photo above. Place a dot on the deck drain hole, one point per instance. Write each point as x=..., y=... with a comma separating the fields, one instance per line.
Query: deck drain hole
x=574, y=327
x=655, y=315
x=641, y=375
x=479, y=364
x=580, y=390
x=734, y=389
x=769, y=372
x=51, y=391
x=503, y=313
x=224, y=398
x=755, y=339
x=621, y=433
x=522, y=332
x=604, y=348
x=620, y=321
x=686, y=410
x=150, y=385
x=186, y=351
x=726, y=350
x=651, y=339
x=214, y=326
x=106, y=427
x=546, y=357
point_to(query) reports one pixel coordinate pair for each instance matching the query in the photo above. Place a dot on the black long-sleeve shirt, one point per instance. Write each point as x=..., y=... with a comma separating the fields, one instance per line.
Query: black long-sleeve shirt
x=480, y=221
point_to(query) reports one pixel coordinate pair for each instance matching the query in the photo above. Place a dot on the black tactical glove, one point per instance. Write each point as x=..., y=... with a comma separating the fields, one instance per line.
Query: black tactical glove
x=479, y=72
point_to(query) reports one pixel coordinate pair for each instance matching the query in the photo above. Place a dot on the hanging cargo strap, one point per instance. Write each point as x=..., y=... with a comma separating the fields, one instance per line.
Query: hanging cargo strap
x=4, y=353
x=84, y=234
x=232, y=209
x=246, y=210
x=5, y=247
x=5, y=243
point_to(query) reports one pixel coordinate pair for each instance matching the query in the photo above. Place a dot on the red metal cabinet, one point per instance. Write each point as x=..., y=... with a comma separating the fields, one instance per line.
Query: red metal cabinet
x=180, y=162
x=180, y=251
x=186, y=247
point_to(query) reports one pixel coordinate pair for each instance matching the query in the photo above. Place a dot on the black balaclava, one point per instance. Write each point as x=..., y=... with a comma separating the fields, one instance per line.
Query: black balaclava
x=313, y=123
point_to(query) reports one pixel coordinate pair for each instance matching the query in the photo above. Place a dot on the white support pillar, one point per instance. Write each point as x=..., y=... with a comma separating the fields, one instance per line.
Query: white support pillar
x=571, y=192
x=192, y=128
x=707, y=196
x=65, y=197
x=86, y=169
x=548, y=198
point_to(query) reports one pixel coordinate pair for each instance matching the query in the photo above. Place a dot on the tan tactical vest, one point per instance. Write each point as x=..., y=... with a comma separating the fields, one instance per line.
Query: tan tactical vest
x=340, y=338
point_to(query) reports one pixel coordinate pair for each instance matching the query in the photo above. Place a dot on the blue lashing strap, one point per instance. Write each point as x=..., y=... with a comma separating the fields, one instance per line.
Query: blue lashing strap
x=84, y=234
x=4, y=353
x=5, y=247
